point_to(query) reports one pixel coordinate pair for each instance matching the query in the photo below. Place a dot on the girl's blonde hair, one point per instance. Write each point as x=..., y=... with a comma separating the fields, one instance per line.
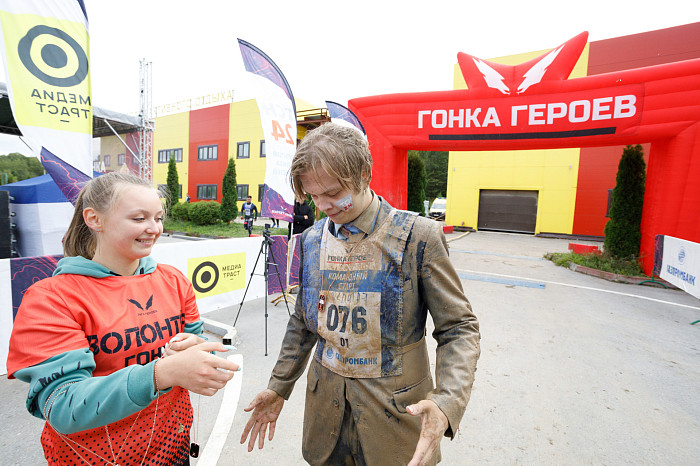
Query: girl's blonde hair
x=341, y=151
x=101, y=194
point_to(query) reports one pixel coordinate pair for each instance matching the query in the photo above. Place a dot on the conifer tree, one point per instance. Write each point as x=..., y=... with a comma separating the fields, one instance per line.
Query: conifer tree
x=416, y=184
x=229, y=193
x=623, y=231
x=173, y=183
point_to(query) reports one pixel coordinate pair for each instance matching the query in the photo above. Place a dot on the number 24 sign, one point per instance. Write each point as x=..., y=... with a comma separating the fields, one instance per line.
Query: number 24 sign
x=282, y=133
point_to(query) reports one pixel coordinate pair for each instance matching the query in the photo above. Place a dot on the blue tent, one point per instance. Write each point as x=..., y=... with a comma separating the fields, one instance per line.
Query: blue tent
x=42, y=215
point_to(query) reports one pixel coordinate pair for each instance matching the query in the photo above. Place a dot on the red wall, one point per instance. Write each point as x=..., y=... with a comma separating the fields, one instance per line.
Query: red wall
x=208, y=126
x=598, y=165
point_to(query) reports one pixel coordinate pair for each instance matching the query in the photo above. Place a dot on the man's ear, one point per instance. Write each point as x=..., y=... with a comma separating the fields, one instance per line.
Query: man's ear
x=365, y=178
x=92, y=219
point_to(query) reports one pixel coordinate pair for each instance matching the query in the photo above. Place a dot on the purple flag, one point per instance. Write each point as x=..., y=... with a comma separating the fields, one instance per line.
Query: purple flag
x=340, y=112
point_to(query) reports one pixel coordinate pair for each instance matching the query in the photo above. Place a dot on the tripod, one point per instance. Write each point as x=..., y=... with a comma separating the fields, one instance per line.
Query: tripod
x=267, y=252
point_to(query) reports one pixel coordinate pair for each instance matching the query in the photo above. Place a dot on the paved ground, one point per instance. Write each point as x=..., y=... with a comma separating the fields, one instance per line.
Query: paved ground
x=574, y=369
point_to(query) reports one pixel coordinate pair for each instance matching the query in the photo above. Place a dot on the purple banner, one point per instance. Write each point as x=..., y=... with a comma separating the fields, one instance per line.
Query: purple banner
x=69, y=179
x=257, y=62
x=340, y=112
x=25, y=271
x=279, y=251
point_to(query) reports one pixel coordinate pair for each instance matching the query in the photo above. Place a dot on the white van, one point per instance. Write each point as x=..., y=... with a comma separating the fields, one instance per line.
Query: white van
x=438, y=208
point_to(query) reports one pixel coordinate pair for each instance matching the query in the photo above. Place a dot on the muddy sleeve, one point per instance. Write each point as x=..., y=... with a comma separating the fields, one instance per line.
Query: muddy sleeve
x=296, y=346
x=456, y=329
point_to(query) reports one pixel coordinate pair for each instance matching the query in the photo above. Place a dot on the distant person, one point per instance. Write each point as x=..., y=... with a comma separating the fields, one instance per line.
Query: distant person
x=92, y=340
x=249, y=213
x=303, y=217
x=187, y=198
x=369, y=275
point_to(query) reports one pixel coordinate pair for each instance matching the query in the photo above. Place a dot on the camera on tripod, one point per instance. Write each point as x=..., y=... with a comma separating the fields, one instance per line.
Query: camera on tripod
x=266, y=233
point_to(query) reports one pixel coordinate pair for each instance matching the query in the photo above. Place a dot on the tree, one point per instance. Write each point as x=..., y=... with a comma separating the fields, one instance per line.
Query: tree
x=416, y=184
x=622, y=232
x=435, y=173
x=229, y=193
x=173, y=183
x=19, y=168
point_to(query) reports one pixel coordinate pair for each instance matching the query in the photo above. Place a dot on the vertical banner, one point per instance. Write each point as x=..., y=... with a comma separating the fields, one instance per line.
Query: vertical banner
x=681, y=264
x=46, y=58
x=344, y=116
x=278, y=119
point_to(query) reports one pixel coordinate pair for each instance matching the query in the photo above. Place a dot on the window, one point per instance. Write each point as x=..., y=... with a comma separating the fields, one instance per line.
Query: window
x=242, y=190
x=243, y=150
x=120, y=159
x=107, y=160
x=607, y=210
x=208, y=152
x=165, y=155
x=261, y=192
x=164, y=189
x=206, y=191
x=262, y=148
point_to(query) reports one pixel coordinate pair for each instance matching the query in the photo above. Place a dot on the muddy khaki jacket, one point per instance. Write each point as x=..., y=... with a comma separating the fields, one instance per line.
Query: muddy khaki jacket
x=388, y=434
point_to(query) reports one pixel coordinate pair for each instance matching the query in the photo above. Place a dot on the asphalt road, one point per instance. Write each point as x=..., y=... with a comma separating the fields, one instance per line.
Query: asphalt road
x=574, y=369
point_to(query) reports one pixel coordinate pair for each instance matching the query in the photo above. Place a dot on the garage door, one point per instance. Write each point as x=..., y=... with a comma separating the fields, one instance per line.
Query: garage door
x=507, y=210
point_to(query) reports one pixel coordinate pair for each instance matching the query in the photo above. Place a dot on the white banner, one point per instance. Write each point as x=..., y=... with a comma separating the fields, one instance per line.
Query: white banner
x=46, y=57
x=219, y=269
x=680, y=265
x=280, y=129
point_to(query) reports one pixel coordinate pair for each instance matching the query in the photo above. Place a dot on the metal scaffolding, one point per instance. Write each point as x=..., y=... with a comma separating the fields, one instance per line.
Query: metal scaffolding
x=147, y=123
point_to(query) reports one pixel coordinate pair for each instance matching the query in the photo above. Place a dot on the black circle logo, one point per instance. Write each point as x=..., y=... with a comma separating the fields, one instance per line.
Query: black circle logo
x=53, y=56
x=205, y=277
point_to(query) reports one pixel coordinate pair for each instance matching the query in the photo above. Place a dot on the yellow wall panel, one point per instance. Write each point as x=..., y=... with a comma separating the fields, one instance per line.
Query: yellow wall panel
x=552, y=173
x=244, y=126
x=172, y=132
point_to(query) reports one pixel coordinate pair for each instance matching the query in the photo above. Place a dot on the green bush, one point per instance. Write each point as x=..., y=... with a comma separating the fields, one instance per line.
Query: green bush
x=204, y=213
x=181, y=211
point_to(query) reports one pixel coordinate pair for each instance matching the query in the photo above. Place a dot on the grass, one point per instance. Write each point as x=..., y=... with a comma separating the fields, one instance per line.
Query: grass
x=232, y=230
x=604, y=262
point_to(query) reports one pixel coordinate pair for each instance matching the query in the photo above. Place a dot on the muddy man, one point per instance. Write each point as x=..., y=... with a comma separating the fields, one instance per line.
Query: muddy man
x=369, y=275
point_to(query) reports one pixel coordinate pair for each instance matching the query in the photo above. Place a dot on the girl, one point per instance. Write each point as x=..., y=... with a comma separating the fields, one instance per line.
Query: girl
x=89, y=339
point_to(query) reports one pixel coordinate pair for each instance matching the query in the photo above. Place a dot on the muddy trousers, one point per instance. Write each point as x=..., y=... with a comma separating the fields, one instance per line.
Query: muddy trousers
x=348, y=450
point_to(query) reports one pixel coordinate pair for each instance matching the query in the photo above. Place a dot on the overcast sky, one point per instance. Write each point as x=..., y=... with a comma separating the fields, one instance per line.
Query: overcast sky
x=331, y=50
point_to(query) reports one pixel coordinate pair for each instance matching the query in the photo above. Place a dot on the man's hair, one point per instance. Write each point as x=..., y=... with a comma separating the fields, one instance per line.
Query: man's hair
x=341, y=151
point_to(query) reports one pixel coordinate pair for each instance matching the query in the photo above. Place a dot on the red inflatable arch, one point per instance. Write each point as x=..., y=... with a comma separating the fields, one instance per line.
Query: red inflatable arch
x=534, y=106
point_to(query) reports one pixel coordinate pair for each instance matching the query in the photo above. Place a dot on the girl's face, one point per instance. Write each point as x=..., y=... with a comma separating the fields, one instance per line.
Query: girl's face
x=130, y=228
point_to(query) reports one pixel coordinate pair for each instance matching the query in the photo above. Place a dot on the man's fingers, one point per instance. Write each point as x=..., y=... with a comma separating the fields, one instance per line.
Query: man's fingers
x=272, y=429
x=414, y=410
x=253, y=436
x=246, y=430
x=261, y=436
x=421, y=449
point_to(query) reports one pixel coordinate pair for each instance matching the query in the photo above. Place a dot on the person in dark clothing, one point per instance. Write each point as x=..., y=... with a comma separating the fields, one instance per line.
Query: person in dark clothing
x=303, y=217
x=249, y=212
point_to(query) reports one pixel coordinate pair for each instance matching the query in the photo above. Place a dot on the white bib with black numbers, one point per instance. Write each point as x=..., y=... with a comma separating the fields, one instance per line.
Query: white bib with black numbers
x=350, y=304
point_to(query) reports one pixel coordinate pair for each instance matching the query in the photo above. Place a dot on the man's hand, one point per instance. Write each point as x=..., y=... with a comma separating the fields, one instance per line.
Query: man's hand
x=267, y=405
x=434, y=423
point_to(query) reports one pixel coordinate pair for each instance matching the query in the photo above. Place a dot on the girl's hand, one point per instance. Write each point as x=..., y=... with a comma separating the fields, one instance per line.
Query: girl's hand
x=181, y=342
x=196, y=369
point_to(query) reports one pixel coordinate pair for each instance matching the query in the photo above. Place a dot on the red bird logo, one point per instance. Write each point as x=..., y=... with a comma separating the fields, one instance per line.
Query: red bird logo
x=555, y=65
